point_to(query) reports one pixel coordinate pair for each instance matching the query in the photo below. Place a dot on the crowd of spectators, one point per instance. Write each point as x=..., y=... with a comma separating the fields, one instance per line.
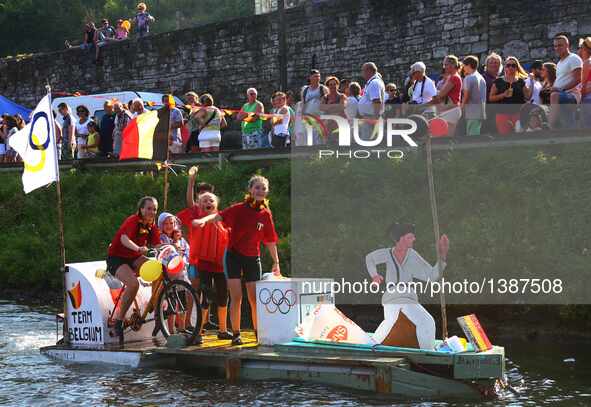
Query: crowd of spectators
x=94, y=38
x=498, y=97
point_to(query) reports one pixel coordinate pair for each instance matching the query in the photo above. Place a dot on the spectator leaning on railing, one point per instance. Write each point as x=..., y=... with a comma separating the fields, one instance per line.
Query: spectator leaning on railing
x=211, y=121
x=421, y=90
x=567, y=87
x=509, y=92
x=311, y=99
x=534, y=82
x=585, y=54
x=122, y=119
x=448, y=96
x=107, y=128
x=474, y=97
x=252, y=127
x=68, y=131
x=548, y=75
x=371, y=104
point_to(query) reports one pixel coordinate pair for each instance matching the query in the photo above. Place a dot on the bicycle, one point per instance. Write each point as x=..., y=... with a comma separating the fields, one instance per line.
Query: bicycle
x=172, y=300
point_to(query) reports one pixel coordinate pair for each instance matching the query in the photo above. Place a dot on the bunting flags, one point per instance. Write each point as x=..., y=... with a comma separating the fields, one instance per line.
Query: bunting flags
x=137, y=140
x=317, y=124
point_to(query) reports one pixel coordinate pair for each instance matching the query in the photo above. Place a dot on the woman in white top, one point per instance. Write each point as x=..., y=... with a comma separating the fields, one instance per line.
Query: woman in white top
x=400, y=301
x=82, y=131
x=351, y=107
x=211, y=121
x=280, y=126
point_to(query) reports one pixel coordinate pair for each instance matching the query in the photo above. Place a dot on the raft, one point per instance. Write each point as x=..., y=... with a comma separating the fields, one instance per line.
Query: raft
x=390, y=371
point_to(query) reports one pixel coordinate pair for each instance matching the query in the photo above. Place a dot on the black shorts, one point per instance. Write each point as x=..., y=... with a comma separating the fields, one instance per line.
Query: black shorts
x=113, y=263
x=237, y=266
x=214, y=288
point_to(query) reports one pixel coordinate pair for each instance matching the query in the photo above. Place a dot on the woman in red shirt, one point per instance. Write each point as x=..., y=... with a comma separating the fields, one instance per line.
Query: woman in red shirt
x=250, y=223
x=127, y=252
x=448, y=97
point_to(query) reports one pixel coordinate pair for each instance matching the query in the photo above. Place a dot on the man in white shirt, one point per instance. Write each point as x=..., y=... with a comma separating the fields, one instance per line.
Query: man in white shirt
x=423, y=88
x=371, y=103
x=406, y=323
x=566, y=89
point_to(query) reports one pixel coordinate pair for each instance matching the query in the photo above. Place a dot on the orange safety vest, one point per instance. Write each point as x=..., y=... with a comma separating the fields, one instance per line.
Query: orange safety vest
x=208, y=243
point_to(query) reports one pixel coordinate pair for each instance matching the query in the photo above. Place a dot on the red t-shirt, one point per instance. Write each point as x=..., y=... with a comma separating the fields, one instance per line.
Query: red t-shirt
x=454, y=93
x=187, y=216
x=248, y=228
x=208, y=246
x=138, y=233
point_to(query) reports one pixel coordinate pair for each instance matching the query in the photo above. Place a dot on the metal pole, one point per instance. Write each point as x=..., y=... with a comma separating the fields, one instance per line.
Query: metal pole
x=434, y=215
x=60, y=221
x=168, y=139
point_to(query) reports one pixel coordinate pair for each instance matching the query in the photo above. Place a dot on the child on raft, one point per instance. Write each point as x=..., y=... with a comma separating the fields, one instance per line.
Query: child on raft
x=250, y=223
x=170, y=234
x=208, y=246
x=186, y=216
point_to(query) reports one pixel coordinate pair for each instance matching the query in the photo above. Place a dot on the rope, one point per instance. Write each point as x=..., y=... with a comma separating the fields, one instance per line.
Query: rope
x=435, y=217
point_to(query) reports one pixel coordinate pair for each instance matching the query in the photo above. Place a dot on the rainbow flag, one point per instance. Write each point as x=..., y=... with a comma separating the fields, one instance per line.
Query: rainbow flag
x=137, y=140
x=474, y=332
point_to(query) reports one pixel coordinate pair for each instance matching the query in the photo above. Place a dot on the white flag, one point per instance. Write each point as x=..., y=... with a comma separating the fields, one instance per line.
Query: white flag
x=36, y=145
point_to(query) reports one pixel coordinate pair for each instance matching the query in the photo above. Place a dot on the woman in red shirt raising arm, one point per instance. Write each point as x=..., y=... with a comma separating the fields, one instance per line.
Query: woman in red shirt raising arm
x=250, y=223
x=127, y=253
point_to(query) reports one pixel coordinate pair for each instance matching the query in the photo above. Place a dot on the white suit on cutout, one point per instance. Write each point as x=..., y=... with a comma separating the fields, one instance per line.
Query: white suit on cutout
x=401, y=297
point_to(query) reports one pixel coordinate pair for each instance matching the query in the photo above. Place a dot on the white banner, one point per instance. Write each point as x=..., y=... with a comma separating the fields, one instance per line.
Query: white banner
x=36, y=145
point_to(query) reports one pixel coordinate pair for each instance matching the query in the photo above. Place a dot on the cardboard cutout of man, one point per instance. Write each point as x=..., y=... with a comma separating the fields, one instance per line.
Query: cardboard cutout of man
x=406, y=323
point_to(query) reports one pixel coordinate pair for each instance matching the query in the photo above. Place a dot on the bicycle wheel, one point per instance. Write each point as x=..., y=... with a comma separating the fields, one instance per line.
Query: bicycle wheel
x=173, y=313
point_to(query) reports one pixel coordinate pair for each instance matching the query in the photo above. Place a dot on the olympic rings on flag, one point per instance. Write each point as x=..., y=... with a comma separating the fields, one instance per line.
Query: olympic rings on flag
x=36, y=145
x=277, y=300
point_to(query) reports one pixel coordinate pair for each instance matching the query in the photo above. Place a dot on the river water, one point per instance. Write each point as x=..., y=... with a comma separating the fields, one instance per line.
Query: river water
x=539, y=374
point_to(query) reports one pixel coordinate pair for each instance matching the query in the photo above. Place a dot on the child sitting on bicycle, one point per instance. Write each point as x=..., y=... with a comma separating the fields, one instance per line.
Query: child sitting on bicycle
x=170, y=234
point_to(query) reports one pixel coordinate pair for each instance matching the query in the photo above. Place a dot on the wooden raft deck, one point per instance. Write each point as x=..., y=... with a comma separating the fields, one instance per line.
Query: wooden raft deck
x=405, y=374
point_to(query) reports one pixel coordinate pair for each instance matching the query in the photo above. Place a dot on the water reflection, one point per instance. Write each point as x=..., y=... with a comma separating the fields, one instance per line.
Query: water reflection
x=539, y=376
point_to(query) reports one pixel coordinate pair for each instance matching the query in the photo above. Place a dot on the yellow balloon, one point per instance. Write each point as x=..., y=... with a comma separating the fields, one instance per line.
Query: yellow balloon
x=126, y=24
x=151, y=270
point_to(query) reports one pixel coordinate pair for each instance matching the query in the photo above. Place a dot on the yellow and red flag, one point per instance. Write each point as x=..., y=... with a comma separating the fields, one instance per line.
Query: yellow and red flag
x=137, y=140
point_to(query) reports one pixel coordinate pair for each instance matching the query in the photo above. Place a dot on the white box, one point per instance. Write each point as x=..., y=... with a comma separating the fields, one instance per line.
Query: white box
x=283, y=304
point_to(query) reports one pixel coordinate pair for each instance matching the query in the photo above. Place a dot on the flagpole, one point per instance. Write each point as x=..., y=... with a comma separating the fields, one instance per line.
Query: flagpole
x=165, y=203
x=434, y=215
x=60, y=221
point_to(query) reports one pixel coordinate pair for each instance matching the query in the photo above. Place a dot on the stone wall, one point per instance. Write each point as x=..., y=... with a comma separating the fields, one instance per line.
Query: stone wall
x=336, y=36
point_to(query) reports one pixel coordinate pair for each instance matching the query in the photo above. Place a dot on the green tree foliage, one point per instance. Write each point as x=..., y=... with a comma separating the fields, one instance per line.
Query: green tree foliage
x=43, y=25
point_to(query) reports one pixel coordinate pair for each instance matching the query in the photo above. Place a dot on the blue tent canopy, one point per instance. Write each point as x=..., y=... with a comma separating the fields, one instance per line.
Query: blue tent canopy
x=7, y=106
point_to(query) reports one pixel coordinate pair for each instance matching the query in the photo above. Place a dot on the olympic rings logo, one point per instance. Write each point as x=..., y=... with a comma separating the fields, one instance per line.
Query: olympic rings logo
x=277, y=300
x=36, y=145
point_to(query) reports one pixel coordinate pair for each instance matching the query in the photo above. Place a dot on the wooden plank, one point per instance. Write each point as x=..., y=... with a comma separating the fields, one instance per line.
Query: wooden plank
x=324, y=359
x=356, y=378
x=407, y=383
x=309, y=348
x=484, y=365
